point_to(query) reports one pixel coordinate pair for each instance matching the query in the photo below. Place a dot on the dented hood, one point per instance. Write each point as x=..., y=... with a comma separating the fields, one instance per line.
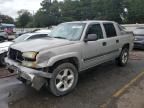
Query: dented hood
x=40, y=44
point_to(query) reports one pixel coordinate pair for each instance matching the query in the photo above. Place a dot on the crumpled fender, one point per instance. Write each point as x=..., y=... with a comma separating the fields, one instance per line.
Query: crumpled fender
x=57, y=58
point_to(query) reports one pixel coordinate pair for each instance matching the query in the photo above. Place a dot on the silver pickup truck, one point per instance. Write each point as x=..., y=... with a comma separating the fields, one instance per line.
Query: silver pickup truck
x=71, y=48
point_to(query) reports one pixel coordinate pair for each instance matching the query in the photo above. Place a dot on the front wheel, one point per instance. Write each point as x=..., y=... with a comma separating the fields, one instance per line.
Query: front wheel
x=64, y=80
x=123, y=58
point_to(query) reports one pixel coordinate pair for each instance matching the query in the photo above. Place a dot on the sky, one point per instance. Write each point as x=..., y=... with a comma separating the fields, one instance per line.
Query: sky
x=10, y=7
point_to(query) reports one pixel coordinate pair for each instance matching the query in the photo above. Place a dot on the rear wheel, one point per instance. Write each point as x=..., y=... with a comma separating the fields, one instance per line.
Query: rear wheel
x=123, y=58
x=64, y=80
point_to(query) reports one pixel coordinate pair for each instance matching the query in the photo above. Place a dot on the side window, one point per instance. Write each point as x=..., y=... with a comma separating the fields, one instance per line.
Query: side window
x=38, y=36
x=110, y=30
x=95, y=29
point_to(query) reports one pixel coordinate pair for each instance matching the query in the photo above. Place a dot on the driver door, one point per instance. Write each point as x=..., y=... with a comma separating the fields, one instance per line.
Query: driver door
x=93, y=50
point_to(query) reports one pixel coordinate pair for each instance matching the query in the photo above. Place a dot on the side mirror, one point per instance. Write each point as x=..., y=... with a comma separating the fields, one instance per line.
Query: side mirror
x=91, y=37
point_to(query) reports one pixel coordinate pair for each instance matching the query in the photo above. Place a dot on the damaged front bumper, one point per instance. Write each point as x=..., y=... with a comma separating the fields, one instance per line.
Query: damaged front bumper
x=35, y=77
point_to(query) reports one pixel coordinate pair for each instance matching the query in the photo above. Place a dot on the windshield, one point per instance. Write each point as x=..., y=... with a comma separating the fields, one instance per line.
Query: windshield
x=69, y=31
x=21, y=38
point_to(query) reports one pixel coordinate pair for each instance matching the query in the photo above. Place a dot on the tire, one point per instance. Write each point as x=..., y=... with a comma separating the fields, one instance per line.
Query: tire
x=2, y=62
x=64, y=80
x=123, y=58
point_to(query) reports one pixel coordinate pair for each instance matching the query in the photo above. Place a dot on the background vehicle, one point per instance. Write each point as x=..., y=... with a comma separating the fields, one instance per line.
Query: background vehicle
x=8, y=28
x=139, y=38
x=5, y=45
x=30, y=36
x=19, y=34
x=3, y=35
x=73, y=47
x=43, y=31
x=33, y=31
x=2, y=39
x=3, y=51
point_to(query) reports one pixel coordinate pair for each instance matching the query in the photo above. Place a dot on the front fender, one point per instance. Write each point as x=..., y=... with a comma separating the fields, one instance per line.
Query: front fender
x=57, y=58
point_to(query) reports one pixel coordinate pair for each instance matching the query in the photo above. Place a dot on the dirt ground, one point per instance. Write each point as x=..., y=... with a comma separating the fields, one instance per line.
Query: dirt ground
x=5, y=73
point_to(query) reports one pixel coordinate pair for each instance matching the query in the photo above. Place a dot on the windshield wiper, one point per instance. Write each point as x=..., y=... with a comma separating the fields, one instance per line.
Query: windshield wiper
x=60, y=37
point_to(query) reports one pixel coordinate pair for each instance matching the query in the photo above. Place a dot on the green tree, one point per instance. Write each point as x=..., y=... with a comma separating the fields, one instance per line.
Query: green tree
x=24, y=18
x=53, y=12
x=92, y=9
x=70, y=10
x=135, y=11
x=108, y=9
x=86, y=9
x=41, y=19
x=46, y=4
x=6, y=19
x=49, y=14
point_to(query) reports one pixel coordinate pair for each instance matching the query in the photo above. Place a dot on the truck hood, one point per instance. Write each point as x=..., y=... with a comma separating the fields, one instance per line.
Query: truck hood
x=40, y=44
x=5, y=44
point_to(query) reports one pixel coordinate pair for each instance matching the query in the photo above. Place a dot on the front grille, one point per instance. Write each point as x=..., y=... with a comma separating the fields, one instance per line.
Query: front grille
x=15, y=55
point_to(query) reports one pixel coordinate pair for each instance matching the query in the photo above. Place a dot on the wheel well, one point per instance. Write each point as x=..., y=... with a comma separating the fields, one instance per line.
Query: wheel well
x=126, y=46
x=72, y=60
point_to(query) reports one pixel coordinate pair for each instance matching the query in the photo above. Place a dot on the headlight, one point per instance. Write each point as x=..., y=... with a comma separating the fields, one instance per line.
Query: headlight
x=30, y=55
x=29, y=64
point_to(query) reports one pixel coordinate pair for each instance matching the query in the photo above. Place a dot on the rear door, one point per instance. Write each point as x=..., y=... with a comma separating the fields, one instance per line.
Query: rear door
x=112, y=41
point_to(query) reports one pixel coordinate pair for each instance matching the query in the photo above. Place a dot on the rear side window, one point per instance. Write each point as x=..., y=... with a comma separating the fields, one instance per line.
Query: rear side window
x=110, y=30
x=95, y=29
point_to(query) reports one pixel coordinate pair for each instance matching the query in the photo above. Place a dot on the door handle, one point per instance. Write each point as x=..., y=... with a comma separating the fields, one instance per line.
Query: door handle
x=117, y=41
x=104, y=43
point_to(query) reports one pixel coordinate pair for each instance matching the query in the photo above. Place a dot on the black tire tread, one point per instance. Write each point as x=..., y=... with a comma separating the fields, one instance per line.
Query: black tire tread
x=119, y=59
x=52, y=87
